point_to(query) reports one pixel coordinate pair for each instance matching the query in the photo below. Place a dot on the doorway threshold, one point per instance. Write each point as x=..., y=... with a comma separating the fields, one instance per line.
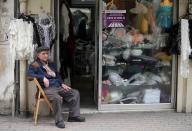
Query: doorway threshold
x=89, y=110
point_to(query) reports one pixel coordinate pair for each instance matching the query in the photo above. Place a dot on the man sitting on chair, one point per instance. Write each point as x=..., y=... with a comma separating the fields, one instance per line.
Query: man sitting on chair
x=54, y=88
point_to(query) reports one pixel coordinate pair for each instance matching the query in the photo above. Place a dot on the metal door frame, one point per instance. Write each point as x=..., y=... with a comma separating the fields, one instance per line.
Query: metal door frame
x=136, y=107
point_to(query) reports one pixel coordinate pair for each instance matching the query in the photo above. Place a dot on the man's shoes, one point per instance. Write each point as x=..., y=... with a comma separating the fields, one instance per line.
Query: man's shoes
x=76, y=119
x=60, y=124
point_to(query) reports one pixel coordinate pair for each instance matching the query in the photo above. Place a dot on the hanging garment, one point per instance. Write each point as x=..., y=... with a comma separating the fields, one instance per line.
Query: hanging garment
x=29, y=52
x=190, y=32
x=46, y=29
x=67, y=46
x=80, y=21
x=164, y=16
x=21, y=39
x=65, y=20
x=36, y=39
x=174, y=41
x=65, y=57
x=185, y=70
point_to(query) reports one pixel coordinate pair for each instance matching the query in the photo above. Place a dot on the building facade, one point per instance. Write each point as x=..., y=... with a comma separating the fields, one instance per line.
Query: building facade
x=127, y=75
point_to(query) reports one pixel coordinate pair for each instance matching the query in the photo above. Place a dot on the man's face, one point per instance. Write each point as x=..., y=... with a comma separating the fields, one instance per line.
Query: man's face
x=43, y=56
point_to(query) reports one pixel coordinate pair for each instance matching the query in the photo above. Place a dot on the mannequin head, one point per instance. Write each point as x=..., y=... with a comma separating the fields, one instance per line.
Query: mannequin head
x=166, y=3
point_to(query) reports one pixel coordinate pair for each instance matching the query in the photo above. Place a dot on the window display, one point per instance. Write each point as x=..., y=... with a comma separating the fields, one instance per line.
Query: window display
x=136, y=68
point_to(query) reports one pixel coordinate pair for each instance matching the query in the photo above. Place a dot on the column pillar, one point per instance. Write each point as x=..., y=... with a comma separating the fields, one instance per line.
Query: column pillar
x=23, y=6
x=23, y=87
x=23, y=69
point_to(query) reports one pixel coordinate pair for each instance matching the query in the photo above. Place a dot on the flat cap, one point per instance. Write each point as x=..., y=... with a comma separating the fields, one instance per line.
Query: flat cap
x=42, y=48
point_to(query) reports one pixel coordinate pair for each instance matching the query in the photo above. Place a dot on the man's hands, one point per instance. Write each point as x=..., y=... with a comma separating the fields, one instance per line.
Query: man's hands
x=46, y=82
x=66, y=88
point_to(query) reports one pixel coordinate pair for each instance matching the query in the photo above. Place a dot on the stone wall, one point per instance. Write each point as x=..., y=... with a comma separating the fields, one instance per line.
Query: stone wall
x=6, y=70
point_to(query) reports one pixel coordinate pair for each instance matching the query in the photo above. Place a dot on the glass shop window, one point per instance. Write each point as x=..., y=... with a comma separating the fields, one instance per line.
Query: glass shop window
x=136, y=66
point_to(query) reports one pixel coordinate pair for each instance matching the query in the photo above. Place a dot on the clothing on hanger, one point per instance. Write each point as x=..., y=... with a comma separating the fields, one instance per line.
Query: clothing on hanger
x=21, y=40
x=64, y=20
x=67, y=44
x=36, y=38
x=165, y=15
x=80, y=20
x=185, y=70
x=46, y=30
x=174, y=39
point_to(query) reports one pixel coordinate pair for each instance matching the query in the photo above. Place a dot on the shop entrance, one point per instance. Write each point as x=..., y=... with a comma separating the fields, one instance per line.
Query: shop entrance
x=77, y=49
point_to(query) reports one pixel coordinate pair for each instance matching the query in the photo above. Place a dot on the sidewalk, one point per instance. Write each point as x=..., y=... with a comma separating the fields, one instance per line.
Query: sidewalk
x=131, y=121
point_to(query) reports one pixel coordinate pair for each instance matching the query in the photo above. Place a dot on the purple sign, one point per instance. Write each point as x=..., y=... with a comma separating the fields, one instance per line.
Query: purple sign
x=114, y=18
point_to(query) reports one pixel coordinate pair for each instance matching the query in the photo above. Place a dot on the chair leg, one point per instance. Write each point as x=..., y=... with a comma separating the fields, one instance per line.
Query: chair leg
x=37, y=111
x=35, y=106
x=50, y=112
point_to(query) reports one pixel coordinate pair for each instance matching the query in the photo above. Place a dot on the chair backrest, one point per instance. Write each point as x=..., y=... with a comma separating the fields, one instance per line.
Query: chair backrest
x=42, y=93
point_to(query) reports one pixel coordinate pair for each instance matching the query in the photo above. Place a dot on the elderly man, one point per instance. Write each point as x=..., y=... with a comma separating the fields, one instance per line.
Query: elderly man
x=54, y=88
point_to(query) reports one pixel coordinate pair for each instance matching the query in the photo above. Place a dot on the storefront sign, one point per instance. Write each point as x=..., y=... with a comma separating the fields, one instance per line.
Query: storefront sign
x=114, y=18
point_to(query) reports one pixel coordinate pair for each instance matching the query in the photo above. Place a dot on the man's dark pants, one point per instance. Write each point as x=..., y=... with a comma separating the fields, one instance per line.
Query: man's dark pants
x=57, y=95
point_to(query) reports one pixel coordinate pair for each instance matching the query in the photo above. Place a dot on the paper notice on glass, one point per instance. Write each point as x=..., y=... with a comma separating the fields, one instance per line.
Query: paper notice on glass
x=114, y=18
x=151, y=96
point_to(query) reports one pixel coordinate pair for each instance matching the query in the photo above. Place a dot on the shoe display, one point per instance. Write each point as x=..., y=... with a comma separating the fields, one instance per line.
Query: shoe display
x=60, y=124
x=108, y=60
x=115, y=79
x=137, y=79
x=115, y=96
x=136, y=52
x=76, y=119
x=126, y=54
x=131, y=100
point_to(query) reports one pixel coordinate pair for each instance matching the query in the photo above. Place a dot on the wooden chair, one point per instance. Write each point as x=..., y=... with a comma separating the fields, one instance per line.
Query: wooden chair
x=39, y=97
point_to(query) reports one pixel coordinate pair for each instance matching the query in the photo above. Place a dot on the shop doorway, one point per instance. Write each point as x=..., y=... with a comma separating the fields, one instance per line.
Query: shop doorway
x=77, y=50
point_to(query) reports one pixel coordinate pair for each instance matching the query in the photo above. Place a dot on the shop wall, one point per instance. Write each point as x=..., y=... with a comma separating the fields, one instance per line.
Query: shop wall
x=38, y=6
x=183, y=7
x=6, y=75
x=184, y=89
